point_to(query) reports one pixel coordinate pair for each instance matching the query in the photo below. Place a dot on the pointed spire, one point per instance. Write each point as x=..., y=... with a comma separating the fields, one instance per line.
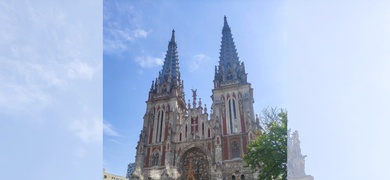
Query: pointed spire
x=230, y=70
x=225, y=24
x=171, y=61
x=168, y=82
x=170, y=74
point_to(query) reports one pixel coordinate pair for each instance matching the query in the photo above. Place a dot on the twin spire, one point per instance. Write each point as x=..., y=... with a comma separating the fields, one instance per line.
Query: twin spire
x=229, y=71
x=170, y=71
x=169, y=77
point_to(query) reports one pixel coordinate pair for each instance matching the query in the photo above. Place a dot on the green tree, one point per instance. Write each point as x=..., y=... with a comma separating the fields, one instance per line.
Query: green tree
x=267, y=154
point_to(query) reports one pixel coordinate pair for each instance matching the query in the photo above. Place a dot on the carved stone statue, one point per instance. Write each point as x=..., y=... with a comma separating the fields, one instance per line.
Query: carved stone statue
x=223, y=107
x=235, y=126
x=295, y=160
x=194, y=98
x=240, y=104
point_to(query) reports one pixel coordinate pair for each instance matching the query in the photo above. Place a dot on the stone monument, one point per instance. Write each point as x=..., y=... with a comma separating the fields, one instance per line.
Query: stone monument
x=295, y=160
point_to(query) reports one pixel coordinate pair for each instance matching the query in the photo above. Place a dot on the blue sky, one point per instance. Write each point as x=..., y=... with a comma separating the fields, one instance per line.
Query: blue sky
x=136, y=36
x=327, y=62
x=338, y=86
x=50, y=89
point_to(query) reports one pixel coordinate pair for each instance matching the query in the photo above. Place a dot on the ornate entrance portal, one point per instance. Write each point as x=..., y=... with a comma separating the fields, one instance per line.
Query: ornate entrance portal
x=194, y=165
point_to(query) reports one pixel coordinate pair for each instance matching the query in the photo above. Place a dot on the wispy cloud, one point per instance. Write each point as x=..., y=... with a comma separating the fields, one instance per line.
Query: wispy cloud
x=80, y=70
x=88, y=130
x=43, y=54
x=148, y=61
x=122, y=24
x=50, y=85
x=109, y=130
x=197, y=62
x=115, y=141
x=140, y=33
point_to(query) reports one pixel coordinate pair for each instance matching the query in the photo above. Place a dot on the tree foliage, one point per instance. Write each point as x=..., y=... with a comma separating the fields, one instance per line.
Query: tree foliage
x=130, y=170
x=267, y=154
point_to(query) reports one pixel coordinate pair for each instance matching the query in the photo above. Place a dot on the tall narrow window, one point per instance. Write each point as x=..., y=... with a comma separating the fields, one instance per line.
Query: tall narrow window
x=235, y=149
x=202, y=129
x=157, y=126
x=235, y=116
x=230, y=116
x=185, y=135
x=154, y=159
x=233, y=122
x=161, y=125
x=180, y=137
x=208, y=133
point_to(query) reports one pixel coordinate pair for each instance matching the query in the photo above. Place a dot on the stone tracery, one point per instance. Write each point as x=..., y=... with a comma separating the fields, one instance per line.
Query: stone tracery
x=200, y=164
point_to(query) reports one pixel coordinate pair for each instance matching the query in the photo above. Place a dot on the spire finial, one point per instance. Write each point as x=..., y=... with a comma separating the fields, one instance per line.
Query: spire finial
x=225, y=21
x=173, y=35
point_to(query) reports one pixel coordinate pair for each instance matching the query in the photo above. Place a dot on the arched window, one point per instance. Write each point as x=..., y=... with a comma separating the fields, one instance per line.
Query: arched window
x=159, y=126
x=235, y=149
x=154, y=159
x=233, y=177
x=233, y=116
x=242, y=177
x=208, y=132
x=180, y=137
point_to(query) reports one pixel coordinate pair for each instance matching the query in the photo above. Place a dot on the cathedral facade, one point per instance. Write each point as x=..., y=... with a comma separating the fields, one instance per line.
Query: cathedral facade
x=181, y=140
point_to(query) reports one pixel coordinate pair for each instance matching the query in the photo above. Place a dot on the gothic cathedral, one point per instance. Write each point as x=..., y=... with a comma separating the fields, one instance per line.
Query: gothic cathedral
x=182, y=141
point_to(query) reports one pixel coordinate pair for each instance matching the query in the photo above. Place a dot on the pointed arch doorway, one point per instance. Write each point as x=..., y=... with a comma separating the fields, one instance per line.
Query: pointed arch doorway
x=195, y=165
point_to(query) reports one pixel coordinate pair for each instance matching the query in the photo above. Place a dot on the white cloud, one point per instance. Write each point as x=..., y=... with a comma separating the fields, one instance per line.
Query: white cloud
x=197, y=61
x=39, y=43
x=115, y=141
x=140, y=33
x=108, y=129
x=29, y=87
x=43, y=51
x=80, y=70
x=89, y=131
x=148, y=61
x=122, y=24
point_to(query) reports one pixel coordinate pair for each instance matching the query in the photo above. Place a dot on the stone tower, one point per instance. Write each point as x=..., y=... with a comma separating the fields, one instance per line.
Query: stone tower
x=165, y=109
x=180, y=140
x=232, y=108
